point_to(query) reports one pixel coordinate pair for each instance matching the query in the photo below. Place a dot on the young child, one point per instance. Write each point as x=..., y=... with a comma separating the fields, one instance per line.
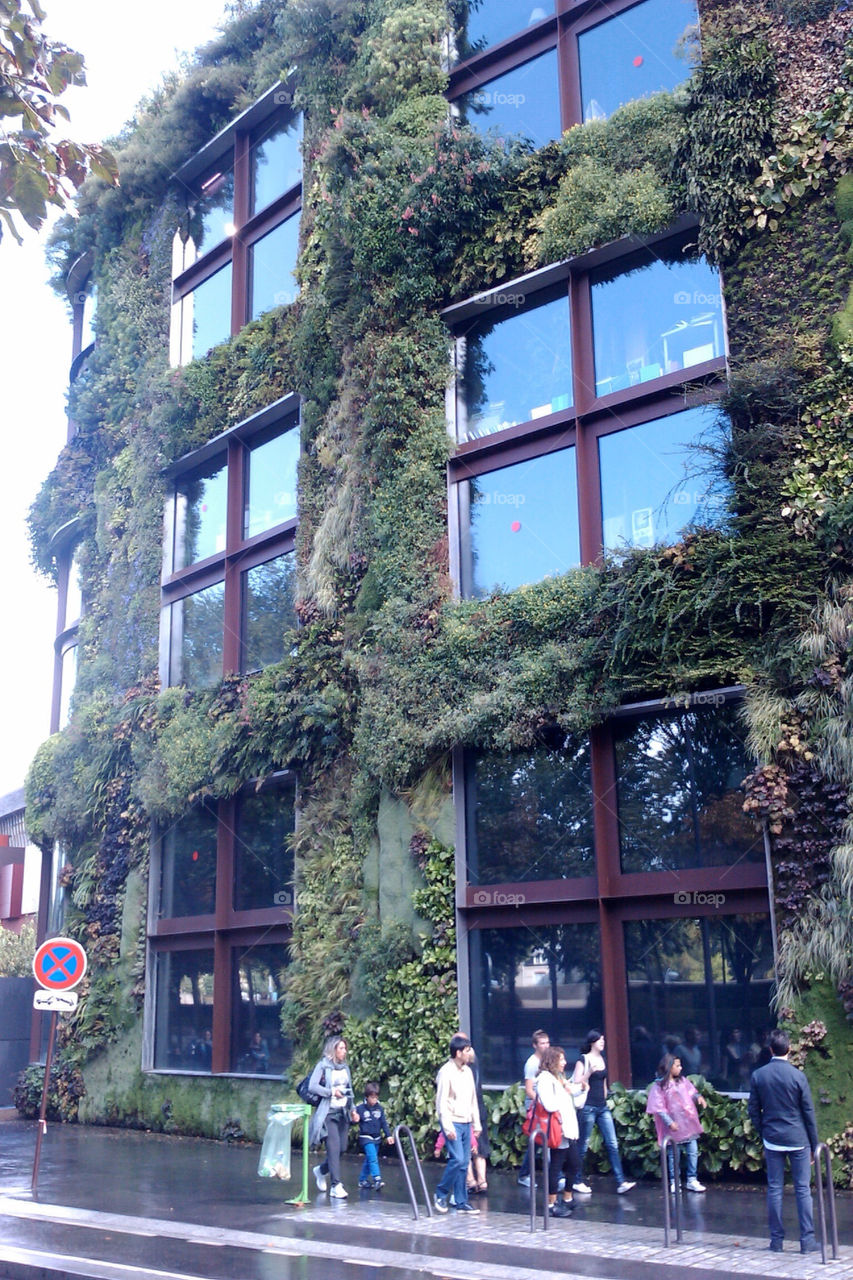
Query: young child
x=672, y=1103
x=372, y=1127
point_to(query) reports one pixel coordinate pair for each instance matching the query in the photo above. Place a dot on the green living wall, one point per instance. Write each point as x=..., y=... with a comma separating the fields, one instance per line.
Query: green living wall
x=403, y=213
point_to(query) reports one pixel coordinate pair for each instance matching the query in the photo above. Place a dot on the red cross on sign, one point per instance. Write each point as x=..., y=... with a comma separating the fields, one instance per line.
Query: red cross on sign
x=59, y=964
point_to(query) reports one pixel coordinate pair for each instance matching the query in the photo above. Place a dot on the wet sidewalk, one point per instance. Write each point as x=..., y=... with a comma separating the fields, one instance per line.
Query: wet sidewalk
x=118, y=1204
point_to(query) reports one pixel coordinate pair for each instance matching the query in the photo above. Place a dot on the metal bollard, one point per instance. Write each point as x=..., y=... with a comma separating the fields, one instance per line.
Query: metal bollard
x=664, y=1173
x=398, y=1134
x=824, y=1155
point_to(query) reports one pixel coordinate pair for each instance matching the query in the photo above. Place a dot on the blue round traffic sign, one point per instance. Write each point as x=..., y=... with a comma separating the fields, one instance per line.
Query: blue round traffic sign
x=59, y=964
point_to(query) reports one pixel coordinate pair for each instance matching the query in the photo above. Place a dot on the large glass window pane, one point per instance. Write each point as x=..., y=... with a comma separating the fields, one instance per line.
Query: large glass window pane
x=257, y=1044
x=198, y=624
x=213, y=215
x=69, y=680
x=655, y=481
x=276, y=163
x=74, y=591
x=272, y=262
x=529, y=815
x=700, y=988
x=523, y=103
x=184, y=1013
x=210, y=312
x=493, y=20
x=678, y=786
x=516, y=368
x=656, y=318
x=200, y=515
x=270, y=593
x=526, y=978
x=519, y=524
x=634, y=53
x=263, y=863
x=271, y=486
x=188, y=865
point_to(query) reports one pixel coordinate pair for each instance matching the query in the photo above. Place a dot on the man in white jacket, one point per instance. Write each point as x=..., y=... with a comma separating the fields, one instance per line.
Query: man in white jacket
x=458, y=1116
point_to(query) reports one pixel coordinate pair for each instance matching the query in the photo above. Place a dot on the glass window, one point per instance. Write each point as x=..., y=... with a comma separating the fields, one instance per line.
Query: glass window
x=523, y=103
x=188, y=865
x=270, y=591
x=210, y=312
x=493, y=20
x=263, y=862
x=655, y=318
x=516, y=368
x=272, y=261
x=197, y=635
x=525, y=978
x=521, y=524
x=701, y=988
x=529, y=815
x=634, y=53
x=69, y=680
x=74, y=592
x=184, y=1012
x=271, y=484
x=200, y=515
x=213, y=215
x=276, y=163
x=678, y=786
x=257, y=1044
x=655, y=481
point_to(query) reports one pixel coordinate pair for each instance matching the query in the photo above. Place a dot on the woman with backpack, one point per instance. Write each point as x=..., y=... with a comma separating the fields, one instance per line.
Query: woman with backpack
x=331, y=1082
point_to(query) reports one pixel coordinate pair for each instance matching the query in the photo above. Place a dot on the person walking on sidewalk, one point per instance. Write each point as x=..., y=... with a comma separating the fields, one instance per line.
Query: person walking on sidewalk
x=540, y=1041
x=782, y=1111
x=591, y=1069
x=459, y=1117
x=372, y=1127
x=556, y=1094
x=332, y=1082
x=672, y=1102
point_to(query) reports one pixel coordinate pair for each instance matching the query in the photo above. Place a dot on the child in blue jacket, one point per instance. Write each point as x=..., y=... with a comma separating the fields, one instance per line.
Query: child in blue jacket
x=372, y=1127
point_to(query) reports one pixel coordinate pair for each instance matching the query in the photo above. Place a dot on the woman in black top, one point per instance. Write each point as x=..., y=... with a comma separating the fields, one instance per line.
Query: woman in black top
x=591, y=1069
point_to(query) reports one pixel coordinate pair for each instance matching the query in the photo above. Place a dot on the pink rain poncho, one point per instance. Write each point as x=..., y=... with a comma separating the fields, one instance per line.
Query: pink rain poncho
x=674, y=1101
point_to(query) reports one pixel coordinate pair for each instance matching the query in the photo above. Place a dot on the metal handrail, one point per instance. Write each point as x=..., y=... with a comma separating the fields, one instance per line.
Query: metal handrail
x=823, y=1153
x=664, y=1173
x=546, y=1160
x=398, y=1133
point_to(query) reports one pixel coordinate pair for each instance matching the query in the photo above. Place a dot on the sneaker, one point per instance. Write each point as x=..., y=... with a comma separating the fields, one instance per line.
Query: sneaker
x=693, y=1184
x=467, y=1208
x=583, y=1189
x=440, y=1203
x=322, y=1184
x=811, y=1247
x=560, y=1210
x=365, y=1184
x=377, y=1183
x=338, y=1191
x=524, y=1180
x=625, y=1186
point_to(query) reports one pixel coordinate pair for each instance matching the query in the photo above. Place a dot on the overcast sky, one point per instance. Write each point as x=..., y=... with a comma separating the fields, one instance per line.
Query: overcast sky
x=126, y=51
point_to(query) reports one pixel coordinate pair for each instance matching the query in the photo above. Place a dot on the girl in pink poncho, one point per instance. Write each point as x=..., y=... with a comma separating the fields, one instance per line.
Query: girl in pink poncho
x=672, y=1102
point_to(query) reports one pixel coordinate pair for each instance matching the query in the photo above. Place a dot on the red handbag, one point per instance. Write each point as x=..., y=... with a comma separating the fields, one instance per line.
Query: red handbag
x=542, y=1125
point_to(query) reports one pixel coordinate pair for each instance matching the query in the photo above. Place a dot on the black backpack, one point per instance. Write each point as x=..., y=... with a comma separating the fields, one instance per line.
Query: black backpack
x=302, y=1090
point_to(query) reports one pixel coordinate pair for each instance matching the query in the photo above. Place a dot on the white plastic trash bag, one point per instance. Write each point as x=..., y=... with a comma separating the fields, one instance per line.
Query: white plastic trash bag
x=274, y=1160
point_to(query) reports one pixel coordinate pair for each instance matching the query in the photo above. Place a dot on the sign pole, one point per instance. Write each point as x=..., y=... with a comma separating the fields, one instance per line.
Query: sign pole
x=43, y=1112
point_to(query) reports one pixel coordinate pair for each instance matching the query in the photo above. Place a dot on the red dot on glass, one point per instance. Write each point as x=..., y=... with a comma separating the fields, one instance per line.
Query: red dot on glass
x=638, y=61
x=195, y=855
x=515, y=526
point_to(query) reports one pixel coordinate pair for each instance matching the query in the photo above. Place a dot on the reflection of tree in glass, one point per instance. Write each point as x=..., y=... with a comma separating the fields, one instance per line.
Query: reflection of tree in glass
x=530, y=815
x=208, y=216
x=678, y=779
x=270, y=611
x=264, y=856
x=475, y=376
x=204, y=621
x=189, y=864
x=203, y=530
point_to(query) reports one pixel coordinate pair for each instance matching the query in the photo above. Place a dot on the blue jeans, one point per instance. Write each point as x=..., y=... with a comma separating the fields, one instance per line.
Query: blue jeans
x=801, y=1172
x=588, y=1118
x=453, y=1180
x=370, y=1164
x=691, y=1147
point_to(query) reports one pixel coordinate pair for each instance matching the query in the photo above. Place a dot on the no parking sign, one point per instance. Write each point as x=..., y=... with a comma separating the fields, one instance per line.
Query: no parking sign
x=59, y=964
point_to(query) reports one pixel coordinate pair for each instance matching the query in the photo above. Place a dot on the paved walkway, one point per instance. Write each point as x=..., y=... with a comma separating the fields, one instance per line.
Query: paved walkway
x=117, y=1205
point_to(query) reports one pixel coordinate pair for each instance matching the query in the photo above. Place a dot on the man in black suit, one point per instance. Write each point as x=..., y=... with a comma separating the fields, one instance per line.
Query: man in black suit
x=781, y=1109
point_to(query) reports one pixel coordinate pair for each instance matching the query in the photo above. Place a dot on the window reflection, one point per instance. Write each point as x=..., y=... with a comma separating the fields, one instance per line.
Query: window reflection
x=272, y=262
x=523, y=103
x=206, y=313
x=200, y=515
x=700, y=988
x=258, y=1046
x=73, y=591
x=197, y=636
x=515, y=368
x=272, y=482
x=678, y=786
x=188, y=865
x=655, y=481
x=212, y=217
x=529, y=815
x=633, y=54
x=526, y=978
x=493, y=20
x=69, y=680
x=519, y=524
x=184, y=1014
x=276, y=163
x=270, y=591
x=263, y=858
x=654, y=318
